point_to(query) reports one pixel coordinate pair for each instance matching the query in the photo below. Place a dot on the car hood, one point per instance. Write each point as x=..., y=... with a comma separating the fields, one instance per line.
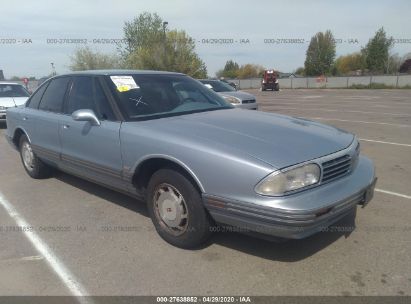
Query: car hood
x=278, y=140
x=9, y=102
x=239, y=94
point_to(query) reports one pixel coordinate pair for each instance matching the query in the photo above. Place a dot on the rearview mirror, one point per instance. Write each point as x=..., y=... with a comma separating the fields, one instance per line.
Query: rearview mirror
x=86, y=115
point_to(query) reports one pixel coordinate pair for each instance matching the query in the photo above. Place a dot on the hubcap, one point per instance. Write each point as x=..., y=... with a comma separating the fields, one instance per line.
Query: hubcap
x=27, y=155
x=170, y=209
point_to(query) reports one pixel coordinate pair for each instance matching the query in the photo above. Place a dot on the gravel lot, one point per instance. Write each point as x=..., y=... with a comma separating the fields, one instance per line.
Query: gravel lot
x=79, y=224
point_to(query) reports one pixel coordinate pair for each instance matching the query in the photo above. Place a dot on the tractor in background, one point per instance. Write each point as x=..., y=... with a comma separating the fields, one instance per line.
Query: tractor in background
x=270, y=81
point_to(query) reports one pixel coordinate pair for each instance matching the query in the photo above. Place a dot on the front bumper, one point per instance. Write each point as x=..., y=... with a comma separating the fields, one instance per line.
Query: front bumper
x=286, y=217
x=247, y=106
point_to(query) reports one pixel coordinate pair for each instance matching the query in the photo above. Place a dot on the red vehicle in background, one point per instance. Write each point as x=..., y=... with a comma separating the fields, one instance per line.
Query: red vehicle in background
x=270, y=81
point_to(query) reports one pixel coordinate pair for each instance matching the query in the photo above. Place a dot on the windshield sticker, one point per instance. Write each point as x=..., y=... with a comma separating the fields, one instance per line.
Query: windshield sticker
x=124, y=83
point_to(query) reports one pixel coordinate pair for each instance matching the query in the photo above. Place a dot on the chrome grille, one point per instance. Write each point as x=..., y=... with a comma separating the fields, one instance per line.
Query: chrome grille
x=336, y=168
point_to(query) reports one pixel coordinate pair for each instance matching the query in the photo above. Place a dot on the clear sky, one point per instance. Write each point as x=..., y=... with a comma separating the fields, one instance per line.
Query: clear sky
x=252, y=22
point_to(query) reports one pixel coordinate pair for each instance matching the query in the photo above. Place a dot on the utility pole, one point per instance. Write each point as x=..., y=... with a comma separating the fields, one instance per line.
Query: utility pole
x=165, y=23
x=53, y=69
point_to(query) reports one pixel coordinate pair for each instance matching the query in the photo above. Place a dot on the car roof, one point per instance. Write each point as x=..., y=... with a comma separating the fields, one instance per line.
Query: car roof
x=119, y=72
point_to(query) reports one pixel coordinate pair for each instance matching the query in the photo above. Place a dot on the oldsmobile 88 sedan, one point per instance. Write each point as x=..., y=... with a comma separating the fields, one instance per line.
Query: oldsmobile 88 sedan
x=192, y=157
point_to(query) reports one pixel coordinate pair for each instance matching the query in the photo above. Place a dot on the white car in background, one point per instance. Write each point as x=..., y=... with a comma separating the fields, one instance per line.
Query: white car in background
x=238, y=99
x=11, y=95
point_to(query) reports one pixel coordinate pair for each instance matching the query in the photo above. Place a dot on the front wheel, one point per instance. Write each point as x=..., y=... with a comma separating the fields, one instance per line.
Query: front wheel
x=176, y=209
x=31, y=163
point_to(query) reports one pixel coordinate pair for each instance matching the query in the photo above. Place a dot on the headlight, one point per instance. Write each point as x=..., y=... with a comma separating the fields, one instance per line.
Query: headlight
x=279, y=183
x=232, y=99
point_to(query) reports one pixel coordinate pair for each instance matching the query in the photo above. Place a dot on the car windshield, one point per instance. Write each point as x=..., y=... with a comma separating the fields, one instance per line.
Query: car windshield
x=148, y=96
x=219, y=86
x=13, y=90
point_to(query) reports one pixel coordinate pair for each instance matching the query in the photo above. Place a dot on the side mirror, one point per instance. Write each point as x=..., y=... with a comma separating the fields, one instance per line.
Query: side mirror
x=86, y=115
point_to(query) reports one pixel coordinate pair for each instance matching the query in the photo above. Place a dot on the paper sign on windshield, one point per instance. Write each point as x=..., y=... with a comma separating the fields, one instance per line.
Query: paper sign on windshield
x=124, y=83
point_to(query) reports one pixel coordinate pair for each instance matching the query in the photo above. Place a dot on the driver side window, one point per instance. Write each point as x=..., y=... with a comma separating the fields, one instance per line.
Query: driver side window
x=81, y=95
x=86, y=93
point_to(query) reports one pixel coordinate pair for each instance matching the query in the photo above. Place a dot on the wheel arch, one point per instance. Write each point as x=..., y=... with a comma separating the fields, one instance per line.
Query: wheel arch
x=18, y=132
x=147, y=166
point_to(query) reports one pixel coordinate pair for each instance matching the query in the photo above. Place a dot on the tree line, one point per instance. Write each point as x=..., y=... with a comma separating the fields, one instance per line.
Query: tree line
x=151, y=45
x=374, y=58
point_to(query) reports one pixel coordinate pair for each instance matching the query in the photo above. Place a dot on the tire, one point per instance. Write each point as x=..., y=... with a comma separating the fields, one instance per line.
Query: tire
x=276, y=87
x=176, y=209
x=34, y=166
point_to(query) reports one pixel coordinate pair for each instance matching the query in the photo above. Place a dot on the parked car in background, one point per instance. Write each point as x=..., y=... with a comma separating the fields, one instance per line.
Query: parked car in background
x=238, y=99
x=192, y=157
x=11, y=95
x=234, y=85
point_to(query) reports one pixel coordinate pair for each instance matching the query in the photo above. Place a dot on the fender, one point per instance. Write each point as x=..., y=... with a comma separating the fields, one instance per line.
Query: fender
x=172, y=159
x=14, y=133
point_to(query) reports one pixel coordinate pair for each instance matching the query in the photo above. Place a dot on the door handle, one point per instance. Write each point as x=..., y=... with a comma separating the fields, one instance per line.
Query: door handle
x=25, y=118
x=66, y=126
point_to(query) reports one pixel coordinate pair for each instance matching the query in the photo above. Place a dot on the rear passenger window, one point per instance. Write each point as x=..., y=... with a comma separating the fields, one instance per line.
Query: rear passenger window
x=54, y=96
x=35, y=99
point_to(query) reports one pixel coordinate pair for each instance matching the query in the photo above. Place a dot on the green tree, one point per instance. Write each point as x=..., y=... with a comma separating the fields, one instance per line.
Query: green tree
x=150, y=45
x=320, y=54
x=406, y=64
x=394, y=64
x=349, y=63
x=87, y=59
x=230, y=70
x=377, y=52
x=146, y=31
x=299, y=71
x=250, y=71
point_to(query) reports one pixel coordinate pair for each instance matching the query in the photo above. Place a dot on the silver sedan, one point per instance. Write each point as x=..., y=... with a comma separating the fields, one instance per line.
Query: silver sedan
x=195, y=160
x=238, y=99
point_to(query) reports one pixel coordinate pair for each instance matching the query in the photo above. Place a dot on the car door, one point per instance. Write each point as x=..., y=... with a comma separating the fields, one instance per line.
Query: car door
x=44, y=121
x=89, y=150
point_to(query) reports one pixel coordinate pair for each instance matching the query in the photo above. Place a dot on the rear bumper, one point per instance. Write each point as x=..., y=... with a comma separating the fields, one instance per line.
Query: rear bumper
x=334, y=200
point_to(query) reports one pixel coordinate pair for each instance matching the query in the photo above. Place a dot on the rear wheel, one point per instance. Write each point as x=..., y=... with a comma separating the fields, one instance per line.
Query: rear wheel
x=276, y=87
x=176, y=209
x=31, y=163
